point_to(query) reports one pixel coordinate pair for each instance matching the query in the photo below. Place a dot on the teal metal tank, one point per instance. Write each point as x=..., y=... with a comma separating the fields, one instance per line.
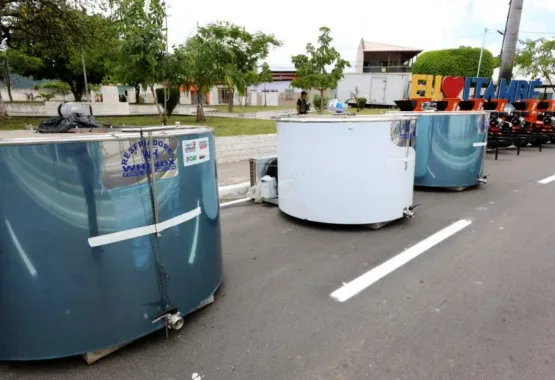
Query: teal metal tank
x=450, y=148
x=104, y=237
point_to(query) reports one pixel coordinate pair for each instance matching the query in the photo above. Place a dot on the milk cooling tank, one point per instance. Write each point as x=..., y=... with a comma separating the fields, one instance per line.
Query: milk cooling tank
x=104, y=237
x=450, y=149
x=346, y=170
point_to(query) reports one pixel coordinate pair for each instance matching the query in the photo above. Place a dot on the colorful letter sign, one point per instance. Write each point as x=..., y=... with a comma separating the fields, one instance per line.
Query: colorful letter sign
x=439, y=87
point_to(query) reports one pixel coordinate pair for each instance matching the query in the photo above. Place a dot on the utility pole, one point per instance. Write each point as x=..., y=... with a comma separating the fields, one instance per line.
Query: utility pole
x=510, y=41
x=85, y=76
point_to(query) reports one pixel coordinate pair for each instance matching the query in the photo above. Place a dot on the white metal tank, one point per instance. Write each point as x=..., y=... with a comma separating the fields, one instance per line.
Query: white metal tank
x=346, y=170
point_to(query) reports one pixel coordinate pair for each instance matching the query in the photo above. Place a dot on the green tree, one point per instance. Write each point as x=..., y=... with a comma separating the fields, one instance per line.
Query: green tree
x=64, y=60
x=47, y=21
x=254, y=78
x=264, y=76
x=44, y=21
x=536, y=58
x=455, y=62
x=10, y=58
x=311, y=68
x=245, y=51
x=196, y=64
x=172, y=101
x=58, y=87
x=143, y=58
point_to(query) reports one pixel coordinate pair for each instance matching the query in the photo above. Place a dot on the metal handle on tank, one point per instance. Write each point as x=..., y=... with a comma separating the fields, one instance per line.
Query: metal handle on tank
x=154, y=192
x=408, y=145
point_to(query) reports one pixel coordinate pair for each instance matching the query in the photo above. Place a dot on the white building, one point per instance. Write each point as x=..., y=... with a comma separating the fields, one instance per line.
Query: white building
x=383, y=74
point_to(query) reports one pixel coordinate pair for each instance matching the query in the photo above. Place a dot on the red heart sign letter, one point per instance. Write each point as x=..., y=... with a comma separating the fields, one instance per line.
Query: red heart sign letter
x=452, y=86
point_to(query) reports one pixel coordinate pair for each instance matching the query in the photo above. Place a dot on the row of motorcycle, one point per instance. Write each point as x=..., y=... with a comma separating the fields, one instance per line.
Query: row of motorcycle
x=520, y=123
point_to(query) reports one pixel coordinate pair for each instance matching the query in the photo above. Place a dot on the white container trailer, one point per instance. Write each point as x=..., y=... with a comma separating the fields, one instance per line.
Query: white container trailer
x=379, y=89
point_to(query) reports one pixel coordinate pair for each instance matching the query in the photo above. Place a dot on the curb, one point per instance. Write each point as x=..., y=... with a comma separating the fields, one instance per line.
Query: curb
x=234, y=190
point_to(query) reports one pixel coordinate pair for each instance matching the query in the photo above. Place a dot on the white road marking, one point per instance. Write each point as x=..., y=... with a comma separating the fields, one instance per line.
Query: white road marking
x=238, y=188
x=545, y=181
x=142, y=231
x=364, y=281
x=231, y=203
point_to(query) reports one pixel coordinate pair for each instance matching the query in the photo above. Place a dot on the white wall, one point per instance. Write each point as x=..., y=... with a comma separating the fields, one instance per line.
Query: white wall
x=253, y=100
x=279, y=86
x=395, y=88
x=272, y=98
x=19, y=95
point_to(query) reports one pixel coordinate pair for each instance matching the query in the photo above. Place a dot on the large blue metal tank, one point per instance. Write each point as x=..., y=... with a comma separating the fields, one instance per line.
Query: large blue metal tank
x=81, y=265
x=450, y=149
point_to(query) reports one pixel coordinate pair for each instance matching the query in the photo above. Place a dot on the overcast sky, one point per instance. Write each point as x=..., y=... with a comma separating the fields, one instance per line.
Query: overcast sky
x=423, y=24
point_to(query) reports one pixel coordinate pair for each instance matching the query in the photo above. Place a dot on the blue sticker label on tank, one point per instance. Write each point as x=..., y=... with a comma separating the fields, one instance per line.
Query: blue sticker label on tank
x=139, y=157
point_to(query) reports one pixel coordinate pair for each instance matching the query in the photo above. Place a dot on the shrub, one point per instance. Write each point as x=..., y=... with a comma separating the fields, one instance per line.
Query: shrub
x=361, y=102
x=317, y=101
x=462, y=61
x=173, y=98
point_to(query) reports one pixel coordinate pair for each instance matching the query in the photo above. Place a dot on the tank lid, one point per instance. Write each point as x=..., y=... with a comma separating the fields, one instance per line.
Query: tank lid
x=346, y=119
x=28, y=137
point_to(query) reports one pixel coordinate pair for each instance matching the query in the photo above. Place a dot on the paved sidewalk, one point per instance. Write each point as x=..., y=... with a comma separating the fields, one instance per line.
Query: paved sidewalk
x=233, y=173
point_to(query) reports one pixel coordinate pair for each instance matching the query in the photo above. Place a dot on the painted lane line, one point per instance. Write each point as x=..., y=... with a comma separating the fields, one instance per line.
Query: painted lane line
x=143, y=231
x=238, y=188
x=237, y=201
x=479, y=144
x=356, y=286
x=547, y=180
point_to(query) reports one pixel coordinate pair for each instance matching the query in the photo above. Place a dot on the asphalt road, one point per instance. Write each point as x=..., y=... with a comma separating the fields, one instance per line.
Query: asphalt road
x=479, y=305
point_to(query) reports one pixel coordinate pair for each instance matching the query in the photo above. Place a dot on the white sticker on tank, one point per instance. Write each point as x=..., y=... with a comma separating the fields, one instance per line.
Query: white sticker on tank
x=196, y=151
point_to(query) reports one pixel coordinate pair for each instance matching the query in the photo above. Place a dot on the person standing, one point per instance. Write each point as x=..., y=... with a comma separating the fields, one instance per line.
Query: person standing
x=302, y=105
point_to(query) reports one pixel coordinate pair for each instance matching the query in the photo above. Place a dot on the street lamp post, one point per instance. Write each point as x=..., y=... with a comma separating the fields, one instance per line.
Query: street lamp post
x=486, y=30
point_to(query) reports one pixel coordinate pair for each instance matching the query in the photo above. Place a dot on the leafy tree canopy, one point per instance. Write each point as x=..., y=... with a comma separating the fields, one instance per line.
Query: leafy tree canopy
x=244, y=50
x=196, y=65
x=536, y=58
x=48, y=21
x=312, y=67
x=142, y=58
x=64, y=59
x=455, y=62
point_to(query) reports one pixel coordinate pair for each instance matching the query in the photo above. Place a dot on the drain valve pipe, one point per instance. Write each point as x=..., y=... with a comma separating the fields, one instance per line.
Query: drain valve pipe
x=409, y=211
x=172, y=320
x=175, y=321
x=483, y=180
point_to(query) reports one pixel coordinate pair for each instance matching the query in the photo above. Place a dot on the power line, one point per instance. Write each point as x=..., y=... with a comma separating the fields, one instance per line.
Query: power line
x=551, y=33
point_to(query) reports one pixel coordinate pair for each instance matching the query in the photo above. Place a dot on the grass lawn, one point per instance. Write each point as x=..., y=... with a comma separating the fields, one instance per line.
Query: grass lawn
x=36, y=102
x=247, y=109
x=222, y=126
x=372, y=111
